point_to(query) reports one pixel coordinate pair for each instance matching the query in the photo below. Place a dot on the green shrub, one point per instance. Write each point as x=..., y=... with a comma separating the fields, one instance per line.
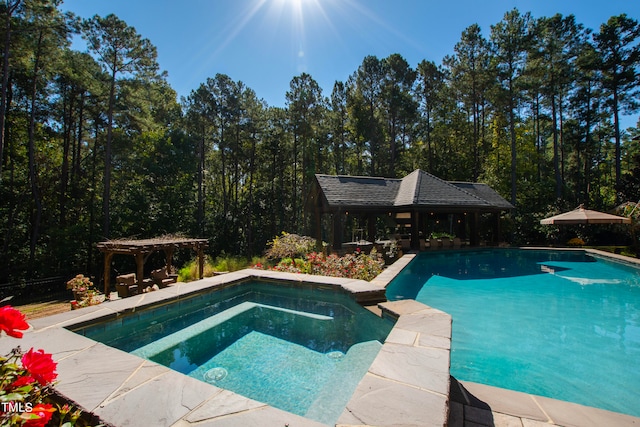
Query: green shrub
x=290, y=245
x=293, y=265
x=222, y=263
x=576, y=241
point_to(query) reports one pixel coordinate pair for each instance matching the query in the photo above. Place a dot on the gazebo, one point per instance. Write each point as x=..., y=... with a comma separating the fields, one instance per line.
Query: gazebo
x=409, y=200
x=141, y=249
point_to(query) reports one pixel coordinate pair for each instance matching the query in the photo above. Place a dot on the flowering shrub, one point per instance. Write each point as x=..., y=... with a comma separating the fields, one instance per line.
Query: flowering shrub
x=355, y=266
x=26, y=381
x=79, y=284
x=297, y=265
x=290, y=246
x=84, y=292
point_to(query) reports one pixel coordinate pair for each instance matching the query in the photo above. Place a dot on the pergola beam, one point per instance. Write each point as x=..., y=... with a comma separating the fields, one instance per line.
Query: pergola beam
x=142, y=249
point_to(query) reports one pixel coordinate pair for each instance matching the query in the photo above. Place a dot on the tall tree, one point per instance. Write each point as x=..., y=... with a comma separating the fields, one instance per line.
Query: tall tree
x=557, y=43
x=431, y=82
x=198, y=112
x=49, y=35
x=9, y=8
x=339, y=132
x=618, y=45
x=509, y=41
x=123, y=53
x=366, y=96
x=305, y=105
x=471, y=77
x=399, y=107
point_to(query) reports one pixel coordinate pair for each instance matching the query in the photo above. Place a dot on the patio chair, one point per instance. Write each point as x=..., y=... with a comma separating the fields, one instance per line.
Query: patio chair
x=161, y=278
x=126, y=285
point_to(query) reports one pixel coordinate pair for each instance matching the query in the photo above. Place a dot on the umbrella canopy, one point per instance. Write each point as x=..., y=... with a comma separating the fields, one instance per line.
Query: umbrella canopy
x=580, y=215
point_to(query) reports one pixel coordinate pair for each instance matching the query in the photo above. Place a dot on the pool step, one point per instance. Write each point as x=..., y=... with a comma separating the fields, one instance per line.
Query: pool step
x=182, y=335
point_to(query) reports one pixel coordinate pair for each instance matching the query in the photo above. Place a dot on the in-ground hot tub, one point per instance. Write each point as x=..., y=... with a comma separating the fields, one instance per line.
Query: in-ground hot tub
x=303, y=349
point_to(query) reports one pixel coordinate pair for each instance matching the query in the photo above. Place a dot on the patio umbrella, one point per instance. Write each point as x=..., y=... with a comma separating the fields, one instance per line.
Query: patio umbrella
x=580, y=215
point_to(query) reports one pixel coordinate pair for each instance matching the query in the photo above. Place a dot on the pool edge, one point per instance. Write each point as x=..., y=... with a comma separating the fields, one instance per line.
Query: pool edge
x=123, y=389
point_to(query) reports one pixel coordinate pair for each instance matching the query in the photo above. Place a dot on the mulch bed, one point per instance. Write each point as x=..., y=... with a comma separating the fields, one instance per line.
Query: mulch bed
x=43, y=309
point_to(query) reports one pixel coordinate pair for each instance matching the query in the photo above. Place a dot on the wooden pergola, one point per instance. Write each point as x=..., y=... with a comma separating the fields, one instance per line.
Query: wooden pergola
x=141, y=249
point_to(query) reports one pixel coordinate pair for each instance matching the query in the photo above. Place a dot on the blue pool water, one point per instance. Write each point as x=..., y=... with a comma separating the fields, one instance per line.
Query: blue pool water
x=565, y=325
x=301, y=350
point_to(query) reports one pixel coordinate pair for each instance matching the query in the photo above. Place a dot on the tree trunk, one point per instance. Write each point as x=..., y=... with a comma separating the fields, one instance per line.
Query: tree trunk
x=107, y=158
x=11, y=7
x=33, y=175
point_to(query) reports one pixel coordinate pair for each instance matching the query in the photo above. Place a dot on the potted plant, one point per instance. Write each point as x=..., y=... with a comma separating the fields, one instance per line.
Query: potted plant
x=84, y=293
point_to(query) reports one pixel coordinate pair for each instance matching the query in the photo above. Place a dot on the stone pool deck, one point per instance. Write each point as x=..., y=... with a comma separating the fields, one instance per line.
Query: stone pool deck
x=480, y=405
x=407, y=384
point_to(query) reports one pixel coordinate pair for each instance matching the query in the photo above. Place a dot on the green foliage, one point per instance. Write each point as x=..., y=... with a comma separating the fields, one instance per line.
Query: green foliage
x=576, y=241
x=289, y=245
x=527, y=108
x=220, y=264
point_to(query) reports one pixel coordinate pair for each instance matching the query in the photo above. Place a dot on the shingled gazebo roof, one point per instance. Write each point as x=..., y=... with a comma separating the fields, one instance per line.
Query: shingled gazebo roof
x=418, y=190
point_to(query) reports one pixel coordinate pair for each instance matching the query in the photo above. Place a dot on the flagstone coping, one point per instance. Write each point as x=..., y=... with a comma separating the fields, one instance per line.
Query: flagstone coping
x=407, y=384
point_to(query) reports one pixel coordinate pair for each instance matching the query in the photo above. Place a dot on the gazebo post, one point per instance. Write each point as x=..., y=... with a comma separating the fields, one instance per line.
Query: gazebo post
x=337, y=230
x=371, y=227
x=474, y=239
x=415, y=232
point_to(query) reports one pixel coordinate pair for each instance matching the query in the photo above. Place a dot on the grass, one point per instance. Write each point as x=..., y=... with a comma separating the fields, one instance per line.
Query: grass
x=220, y=264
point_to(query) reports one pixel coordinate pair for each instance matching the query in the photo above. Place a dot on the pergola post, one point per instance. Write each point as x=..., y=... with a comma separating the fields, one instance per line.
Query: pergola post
x=139, y=269
x=200, y=262
x=168, y=253
x=107, y=272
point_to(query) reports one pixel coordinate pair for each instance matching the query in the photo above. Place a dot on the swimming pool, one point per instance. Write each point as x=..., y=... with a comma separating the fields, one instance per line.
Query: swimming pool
x=303, y=350
x=561, y=324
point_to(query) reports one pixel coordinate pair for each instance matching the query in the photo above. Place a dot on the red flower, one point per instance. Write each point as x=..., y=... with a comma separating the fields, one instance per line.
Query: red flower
x=40, y=365
x=10, y=320
x=21, y=382
x=39, y=415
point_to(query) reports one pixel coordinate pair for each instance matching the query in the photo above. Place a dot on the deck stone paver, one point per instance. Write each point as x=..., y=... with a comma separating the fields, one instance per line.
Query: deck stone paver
x=572, y=414
x=504, y=420
x=223, y=403
x=265, y=416
x=506, y=401
x=424, y=368
x=160, y=402
x=381, y=402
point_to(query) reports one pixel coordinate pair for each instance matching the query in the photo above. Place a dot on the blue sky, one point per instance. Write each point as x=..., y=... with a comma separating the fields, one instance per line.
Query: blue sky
x=265, y=43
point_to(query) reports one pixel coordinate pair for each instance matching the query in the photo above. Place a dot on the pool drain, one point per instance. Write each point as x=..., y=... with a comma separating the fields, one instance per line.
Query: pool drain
x=215, y=374
x=335, y=355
